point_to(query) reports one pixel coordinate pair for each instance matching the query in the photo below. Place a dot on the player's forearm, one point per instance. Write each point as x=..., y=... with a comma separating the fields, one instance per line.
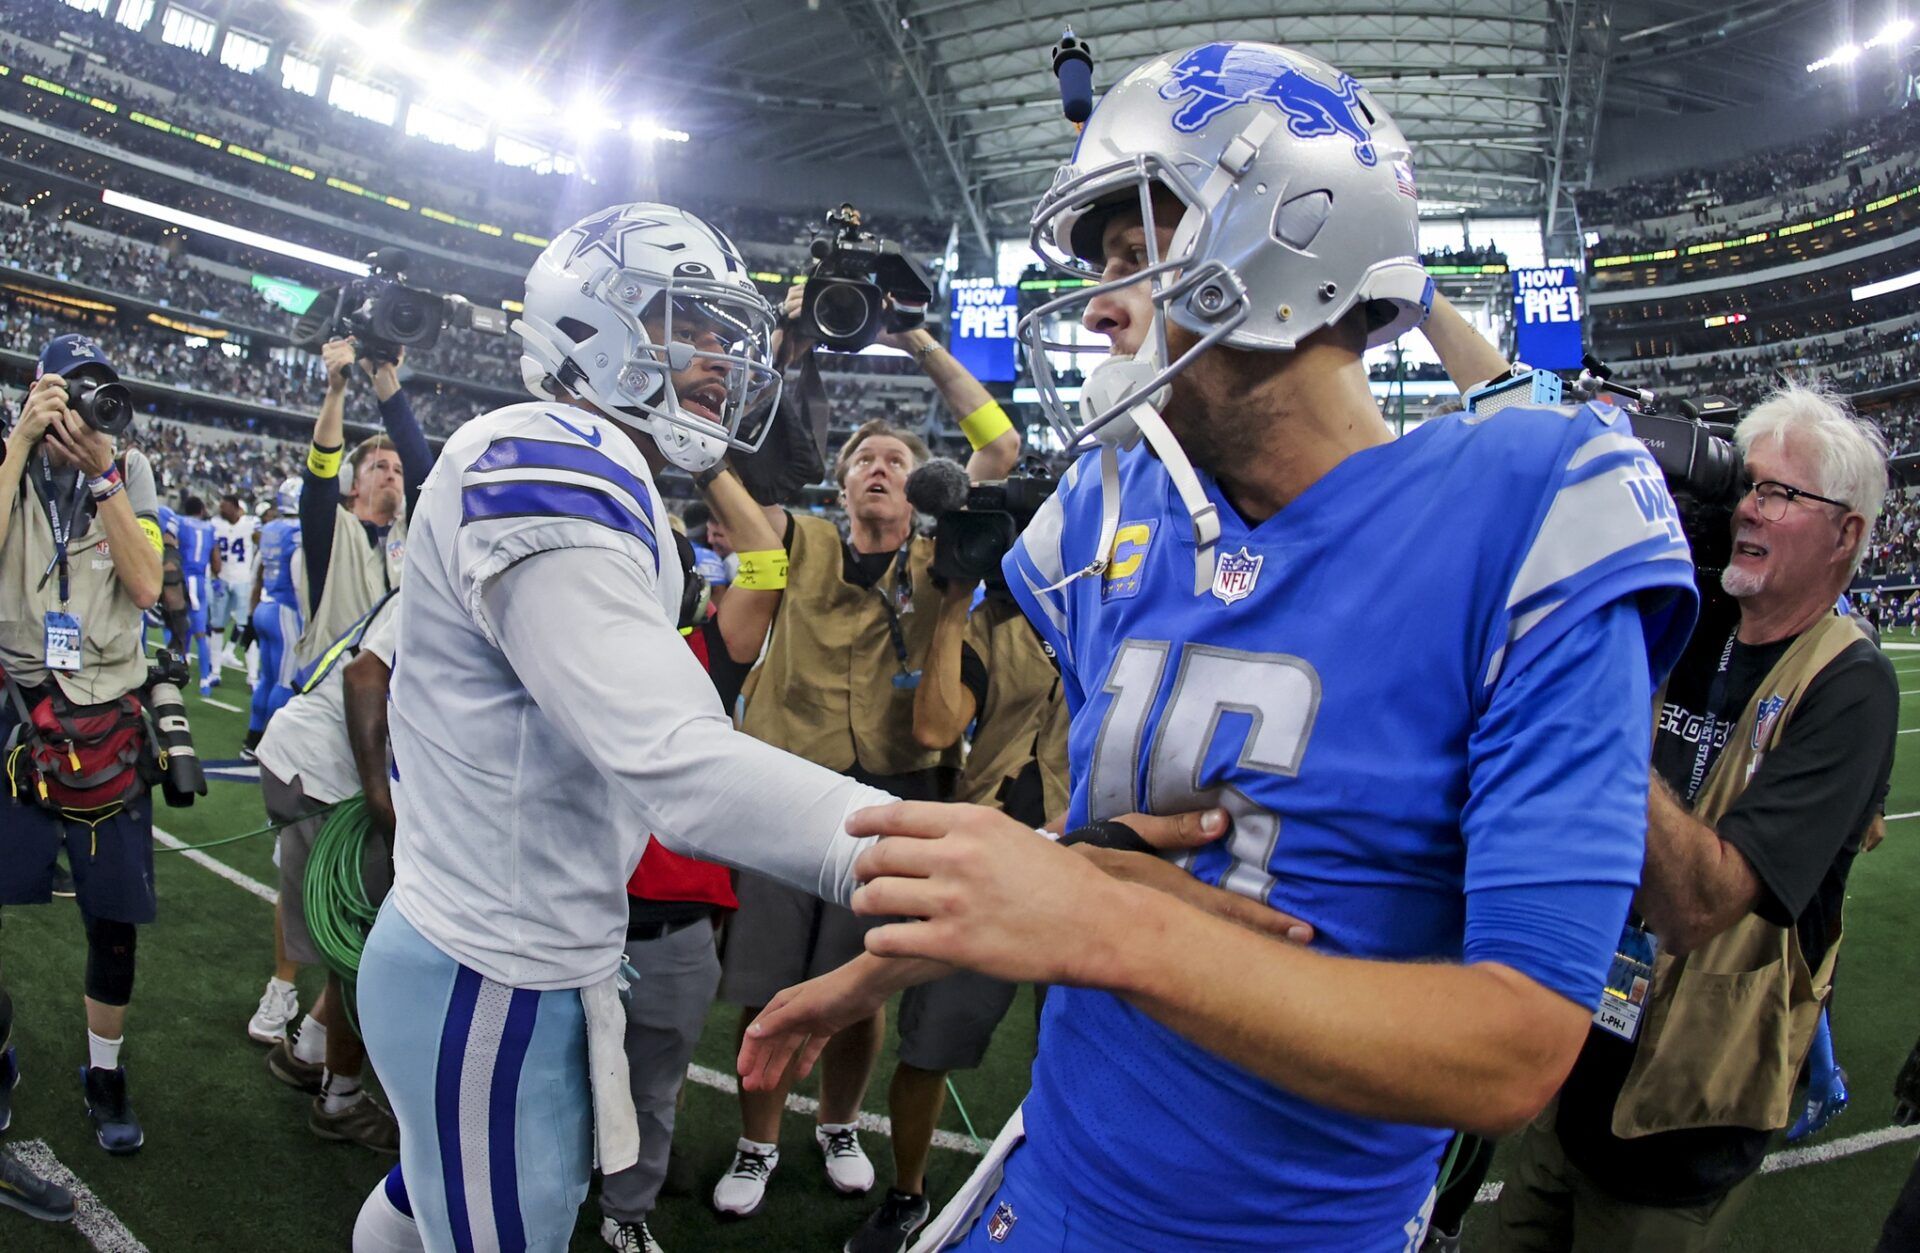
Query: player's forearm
x=745, y=617
x=135, y=563
x=942, y=706
x=1694, y=884
x=1481, y=1048
x=704, y=789
x=1464, y=352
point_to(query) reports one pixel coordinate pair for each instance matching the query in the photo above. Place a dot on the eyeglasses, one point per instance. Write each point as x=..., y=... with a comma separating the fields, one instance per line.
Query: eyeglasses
x=1773, y=498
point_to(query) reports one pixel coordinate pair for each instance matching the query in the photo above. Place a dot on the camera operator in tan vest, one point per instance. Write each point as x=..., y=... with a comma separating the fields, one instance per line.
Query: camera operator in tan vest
x=353, y=537
x=79, y=563
x=1772, y=750
x=836, y=683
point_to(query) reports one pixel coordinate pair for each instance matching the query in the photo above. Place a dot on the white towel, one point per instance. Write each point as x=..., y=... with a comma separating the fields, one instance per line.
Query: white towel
x=970, y=1201
x=616, y=1126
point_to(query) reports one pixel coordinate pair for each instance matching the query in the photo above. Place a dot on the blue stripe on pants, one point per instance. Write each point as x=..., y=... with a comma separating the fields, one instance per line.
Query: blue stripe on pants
x=446, y=1101
x=521, y=1012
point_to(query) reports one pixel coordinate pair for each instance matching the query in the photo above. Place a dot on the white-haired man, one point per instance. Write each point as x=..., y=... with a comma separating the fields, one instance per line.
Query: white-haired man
x=1771, y=758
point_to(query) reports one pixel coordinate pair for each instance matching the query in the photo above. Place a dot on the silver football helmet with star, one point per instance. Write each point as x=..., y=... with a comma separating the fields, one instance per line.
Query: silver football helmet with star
x=626, y=298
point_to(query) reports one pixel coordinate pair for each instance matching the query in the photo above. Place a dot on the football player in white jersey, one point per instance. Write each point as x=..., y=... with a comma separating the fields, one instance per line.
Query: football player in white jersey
x=546, y=717
x=235, y=536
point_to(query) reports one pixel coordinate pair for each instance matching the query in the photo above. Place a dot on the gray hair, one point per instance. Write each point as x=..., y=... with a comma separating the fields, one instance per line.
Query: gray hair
x=1850, y=451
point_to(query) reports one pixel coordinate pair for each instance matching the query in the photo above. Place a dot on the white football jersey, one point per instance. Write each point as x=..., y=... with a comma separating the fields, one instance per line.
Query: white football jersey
x=236, y=543
x=546, y=715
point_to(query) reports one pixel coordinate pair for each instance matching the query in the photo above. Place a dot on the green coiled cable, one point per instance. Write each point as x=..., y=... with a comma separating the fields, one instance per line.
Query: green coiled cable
x=339, y=913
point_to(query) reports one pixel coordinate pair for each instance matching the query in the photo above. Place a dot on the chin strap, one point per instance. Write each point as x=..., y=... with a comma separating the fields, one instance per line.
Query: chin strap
x=1148, y=424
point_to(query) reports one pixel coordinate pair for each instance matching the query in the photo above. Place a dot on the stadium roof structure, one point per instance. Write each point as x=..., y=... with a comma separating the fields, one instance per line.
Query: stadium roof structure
x=1501, y=98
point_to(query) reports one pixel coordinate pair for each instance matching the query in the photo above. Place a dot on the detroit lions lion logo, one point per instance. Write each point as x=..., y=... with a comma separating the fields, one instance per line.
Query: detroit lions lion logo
x=1218, y=76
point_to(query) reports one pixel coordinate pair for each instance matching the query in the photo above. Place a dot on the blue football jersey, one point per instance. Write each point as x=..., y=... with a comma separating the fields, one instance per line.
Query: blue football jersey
x=1336, y=691
x=279, y=541
x=169, y=524
x=196, y=546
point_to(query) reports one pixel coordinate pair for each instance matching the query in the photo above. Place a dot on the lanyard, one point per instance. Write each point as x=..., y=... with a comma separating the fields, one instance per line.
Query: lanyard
x=62, y=530
x=1710, y=726
x=903, y=576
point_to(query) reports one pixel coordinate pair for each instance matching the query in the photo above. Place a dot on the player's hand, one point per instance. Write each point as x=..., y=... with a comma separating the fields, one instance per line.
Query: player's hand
x=795, y=1027
x=46, y=400
x=380, y=811
x=983, y=891
x=337, y=355
x=73, y=442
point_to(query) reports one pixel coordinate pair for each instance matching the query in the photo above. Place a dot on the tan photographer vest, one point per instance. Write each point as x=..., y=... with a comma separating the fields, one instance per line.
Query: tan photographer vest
x=1729, y=1024
x=358, y=575
x=111, y=664
x=1024, y=716
x=825, y=688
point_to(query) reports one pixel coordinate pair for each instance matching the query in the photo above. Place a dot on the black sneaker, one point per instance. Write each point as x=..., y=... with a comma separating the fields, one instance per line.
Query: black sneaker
x=628, y=1237
x=290, y=1070
x=9, y=1080
x=27, y=1192
x=888, y=1228
x=114, y=1123
x=63, y=881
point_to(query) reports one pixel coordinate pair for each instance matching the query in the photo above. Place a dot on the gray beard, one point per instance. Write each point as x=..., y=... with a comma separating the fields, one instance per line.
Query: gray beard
x=1741, y=584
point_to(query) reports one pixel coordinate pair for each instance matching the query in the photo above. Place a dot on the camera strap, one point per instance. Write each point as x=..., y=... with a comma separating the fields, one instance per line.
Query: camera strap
x=1710, y=725
x=62, y=528
x=902, y=572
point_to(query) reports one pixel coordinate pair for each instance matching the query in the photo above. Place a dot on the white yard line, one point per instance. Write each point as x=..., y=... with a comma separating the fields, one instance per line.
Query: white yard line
x=220, y=704
x=1897, y=817
x=703, y=1075
x=102, y=1228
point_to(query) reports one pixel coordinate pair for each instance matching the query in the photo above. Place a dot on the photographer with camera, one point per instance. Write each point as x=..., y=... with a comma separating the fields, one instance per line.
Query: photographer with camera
x=1771, y=757
x=848, y=645
x=79, y=563
x=353, y=535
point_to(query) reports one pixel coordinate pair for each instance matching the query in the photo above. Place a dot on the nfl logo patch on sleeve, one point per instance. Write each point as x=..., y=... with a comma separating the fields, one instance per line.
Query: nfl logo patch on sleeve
x=1000, y=1226
x=1234, y=577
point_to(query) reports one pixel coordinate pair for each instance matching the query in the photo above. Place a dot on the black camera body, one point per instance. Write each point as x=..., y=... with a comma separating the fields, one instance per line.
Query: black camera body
x=859, y=285
x=970, y=542
x=381, y=312
x=1693, y=446
x=107, y=406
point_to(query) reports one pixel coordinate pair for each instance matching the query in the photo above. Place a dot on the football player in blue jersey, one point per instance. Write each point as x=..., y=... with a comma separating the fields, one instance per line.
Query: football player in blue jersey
x=276, y=611
x=1416, y=672
x=199, y=562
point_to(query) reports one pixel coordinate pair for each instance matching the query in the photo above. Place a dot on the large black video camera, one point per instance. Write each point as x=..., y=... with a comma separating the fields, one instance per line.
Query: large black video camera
x=1694, y=448
x=860, y=284
x=975, y=524
x=384, y=315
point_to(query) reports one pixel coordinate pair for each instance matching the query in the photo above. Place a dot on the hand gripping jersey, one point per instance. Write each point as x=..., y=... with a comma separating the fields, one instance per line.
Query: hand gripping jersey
x=236, y=544
x=279, y=541
x=1340, y=689
x=534, y=566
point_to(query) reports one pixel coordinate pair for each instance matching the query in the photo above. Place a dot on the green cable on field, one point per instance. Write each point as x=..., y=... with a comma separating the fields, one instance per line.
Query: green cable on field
x=231, y=839
x=339, y=912
x=961, y=1105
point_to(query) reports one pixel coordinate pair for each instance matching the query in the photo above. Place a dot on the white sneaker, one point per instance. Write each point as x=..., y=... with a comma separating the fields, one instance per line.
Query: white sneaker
x=279, y=1005
x=743, y=1189
x=629, y=1237
x=848, y=1169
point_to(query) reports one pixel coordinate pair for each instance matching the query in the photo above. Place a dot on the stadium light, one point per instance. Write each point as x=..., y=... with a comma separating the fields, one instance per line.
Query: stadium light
x=239, y=235
x=1899, y=282
x=645, y=128
x=1895, y=32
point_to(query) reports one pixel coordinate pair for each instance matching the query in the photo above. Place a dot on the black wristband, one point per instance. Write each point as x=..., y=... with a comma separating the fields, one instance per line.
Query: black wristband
x=705, y=479
x=1111, y=834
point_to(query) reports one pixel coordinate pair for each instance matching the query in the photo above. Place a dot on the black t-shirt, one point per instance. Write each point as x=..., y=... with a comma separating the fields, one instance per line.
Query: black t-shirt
x=1835, y=759
x=1023, y=796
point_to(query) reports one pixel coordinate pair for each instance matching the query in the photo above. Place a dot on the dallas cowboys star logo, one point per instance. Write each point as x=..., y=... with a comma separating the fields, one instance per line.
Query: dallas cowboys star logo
x=606, y=233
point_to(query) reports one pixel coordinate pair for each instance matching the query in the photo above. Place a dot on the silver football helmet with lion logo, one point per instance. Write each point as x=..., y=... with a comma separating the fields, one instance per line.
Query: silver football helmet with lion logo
x=623, y=300
x=1298, y=207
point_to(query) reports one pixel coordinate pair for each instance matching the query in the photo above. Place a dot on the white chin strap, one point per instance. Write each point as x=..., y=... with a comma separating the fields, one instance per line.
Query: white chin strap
x=686, y=448
x=1106, y=385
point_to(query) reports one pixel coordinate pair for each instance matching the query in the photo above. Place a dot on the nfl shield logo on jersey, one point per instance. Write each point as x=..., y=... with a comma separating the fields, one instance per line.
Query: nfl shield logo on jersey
x=1764, y=718
x=1234, y=577
x=1000, y=1226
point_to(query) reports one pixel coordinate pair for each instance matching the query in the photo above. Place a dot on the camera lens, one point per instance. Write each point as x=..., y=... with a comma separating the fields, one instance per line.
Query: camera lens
x=843, y=310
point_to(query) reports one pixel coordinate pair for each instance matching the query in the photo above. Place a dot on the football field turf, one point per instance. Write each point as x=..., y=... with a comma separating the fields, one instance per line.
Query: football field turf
x=230, y=1165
